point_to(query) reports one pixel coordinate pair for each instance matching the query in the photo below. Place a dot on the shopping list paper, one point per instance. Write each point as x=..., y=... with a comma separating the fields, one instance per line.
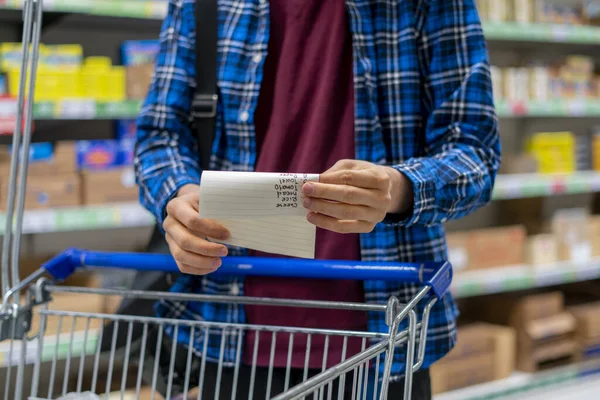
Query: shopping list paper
x=262, y=211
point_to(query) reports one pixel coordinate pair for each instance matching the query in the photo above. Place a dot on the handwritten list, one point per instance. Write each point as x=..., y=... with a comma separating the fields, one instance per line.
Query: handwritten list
x=262, y=211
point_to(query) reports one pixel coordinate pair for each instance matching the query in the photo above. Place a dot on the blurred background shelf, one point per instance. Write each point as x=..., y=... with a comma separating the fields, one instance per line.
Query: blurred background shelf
x=542, y=32
x=522, y=277
x=151, y=9
x=83, y=218
x=518, y=186
x=522, y=384
x=559, y=108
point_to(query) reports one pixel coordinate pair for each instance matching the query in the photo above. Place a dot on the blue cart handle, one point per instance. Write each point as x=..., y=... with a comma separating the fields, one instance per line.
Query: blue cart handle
x=437, y=275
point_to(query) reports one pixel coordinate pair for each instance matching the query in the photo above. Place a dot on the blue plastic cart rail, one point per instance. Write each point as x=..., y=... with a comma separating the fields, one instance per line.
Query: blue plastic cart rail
x=437, y=275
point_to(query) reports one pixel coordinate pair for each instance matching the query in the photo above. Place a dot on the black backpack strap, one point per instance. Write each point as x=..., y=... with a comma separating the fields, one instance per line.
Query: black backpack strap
x=204, y=105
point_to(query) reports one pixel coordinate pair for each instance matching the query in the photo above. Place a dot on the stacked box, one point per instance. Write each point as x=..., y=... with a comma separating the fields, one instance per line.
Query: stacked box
x=487, y=248
x=483, y=353
x=545, y=330
x=588, y=330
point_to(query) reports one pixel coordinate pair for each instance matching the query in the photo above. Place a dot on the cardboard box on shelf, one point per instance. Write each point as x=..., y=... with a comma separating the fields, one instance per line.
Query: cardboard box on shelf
x=496, y=247
x=594, y=231
x=83, y=303
x=541, y=250
x=112, y=186
x=572, y=230
x=483, y=353
x=545, y=331
x=63, y=190
x=588, y=320
x=44, y=159
x=138, y=80
x=518, y=164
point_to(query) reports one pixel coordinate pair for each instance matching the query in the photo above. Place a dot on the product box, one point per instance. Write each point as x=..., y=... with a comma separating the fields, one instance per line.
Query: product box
x=541, y=250
x=518, y=164
x=572, y=230
x=112, y=186
x=125, y=129
x=86, y=303
x=98, y=155
x=588, y=320
x=62, y=190
x=554, y=151
x=483, y=353
x=44, y=159
x=3, y=84
x=138, y=79
x=139, y=52
x=496, y=247
x=545, y=331
x=594, y=232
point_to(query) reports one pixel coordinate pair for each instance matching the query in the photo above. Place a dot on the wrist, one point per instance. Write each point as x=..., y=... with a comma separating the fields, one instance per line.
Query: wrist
x=401, y=192
x=189, y=188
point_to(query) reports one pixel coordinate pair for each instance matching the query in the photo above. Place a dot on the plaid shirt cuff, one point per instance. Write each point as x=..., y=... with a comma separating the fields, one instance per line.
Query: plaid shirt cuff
x=167, y=190
x=423, y=210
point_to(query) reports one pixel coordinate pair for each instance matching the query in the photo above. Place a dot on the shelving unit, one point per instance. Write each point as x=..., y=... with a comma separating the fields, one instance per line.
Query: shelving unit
x=522, y=277
x=147, y=9
x=549, y=33
x=83, y=218
x=532, y=185
x=521, y=383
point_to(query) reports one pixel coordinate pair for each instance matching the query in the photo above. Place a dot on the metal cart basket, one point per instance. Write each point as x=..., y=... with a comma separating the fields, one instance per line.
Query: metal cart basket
x=47, y=361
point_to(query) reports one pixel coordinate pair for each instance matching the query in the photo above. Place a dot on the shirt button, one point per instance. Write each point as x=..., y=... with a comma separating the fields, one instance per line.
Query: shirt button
x=244, y=116
x=235, y=290
x=257, y=58
x=262, y=1
x=444, y=220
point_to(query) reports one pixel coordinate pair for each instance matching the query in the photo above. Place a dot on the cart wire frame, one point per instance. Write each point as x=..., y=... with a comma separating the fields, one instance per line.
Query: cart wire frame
x=363, y=375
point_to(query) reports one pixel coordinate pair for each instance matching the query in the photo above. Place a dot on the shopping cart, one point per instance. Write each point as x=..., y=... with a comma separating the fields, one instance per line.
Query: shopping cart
x=360, y=376
x=72, y=356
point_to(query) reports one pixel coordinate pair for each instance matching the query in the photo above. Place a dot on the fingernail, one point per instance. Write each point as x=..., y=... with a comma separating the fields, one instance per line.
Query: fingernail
x=307, y=202
x=216, y=262
x=224, y=236
x=308, y=188
x=223, y=252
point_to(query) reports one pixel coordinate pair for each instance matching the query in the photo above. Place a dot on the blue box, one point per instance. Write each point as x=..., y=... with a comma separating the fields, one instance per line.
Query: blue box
x=139, y=52
x=3, y=85
x=125, y=129
x=100, y=155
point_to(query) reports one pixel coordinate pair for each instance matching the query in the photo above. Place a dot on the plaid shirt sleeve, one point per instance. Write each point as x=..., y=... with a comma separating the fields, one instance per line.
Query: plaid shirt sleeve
x=462, y=143
x=166, y=155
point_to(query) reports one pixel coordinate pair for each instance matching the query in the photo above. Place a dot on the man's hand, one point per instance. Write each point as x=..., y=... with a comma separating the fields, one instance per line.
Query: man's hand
x=354, y=196
x=186, y=234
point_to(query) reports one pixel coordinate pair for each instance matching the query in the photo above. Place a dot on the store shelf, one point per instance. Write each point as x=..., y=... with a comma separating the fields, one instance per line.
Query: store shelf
x=146, y=9
x=521, y=383
x=83, y=218
x=514, y=31
x=520, y=277
x=534, y=185
x=82, y=109
x=553, y=109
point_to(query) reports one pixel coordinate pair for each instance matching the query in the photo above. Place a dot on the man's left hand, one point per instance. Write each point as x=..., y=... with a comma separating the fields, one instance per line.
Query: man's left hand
x=354, y=196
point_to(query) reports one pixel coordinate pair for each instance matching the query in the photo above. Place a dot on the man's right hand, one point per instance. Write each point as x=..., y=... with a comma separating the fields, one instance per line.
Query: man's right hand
x=186, y=234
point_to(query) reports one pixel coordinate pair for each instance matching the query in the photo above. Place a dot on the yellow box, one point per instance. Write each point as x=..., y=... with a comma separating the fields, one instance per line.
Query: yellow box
x=64, y=56
x=98, y=62
x=115, y=84
x=554, y=151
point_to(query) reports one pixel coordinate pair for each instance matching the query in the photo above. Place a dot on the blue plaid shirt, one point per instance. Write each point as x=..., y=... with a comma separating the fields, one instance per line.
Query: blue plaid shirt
x=424, y=105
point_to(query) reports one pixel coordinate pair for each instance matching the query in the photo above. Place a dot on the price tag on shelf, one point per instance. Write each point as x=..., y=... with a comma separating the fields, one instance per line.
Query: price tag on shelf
x=560, y=32
x=576, y=108
x=77, y=109
x=594, y=182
